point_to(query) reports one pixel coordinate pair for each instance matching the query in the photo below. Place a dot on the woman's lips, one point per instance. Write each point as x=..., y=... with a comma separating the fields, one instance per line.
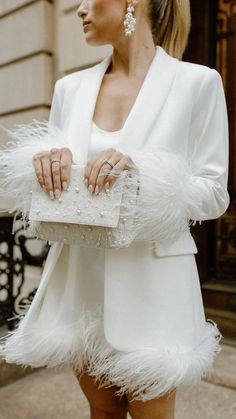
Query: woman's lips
x=86, y=25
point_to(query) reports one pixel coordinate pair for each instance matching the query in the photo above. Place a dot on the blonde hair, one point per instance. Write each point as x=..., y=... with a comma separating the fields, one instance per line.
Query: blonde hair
x=171, y=23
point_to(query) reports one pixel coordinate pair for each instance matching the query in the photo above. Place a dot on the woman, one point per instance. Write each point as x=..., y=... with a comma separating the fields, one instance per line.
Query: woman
x=131, y=323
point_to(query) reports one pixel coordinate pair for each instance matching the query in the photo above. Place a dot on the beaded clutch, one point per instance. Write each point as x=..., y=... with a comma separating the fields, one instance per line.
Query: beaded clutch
x=79, y=217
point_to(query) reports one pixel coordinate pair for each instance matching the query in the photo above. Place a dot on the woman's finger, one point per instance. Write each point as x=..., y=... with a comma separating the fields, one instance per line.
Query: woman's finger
x=93, y=167
x=55, y=158
x=103, y=178
x=91, y=171
x=93, y=175
x=66, y=161
x=122, y=164
x=47, y=174
x=38, y=169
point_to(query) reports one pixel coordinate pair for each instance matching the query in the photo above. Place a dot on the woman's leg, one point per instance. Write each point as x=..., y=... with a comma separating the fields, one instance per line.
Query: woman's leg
x=159, y=408
x=103, y=402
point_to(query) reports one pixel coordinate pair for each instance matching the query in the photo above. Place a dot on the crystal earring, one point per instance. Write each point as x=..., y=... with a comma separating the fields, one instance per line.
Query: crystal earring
x=130, y=21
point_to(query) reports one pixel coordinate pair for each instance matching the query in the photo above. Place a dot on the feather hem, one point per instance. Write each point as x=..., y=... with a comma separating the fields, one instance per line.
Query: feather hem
x=147, y=372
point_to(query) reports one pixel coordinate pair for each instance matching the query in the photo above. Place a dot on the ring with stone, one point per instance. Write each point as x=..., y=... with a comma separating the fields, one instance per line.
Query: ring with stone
x=109, y=162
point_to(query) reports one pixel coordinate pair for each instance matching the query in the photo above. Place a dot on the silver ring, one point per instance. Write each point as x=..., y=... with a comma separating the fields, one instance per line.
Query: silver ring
x=109, y=162
x=55, y=161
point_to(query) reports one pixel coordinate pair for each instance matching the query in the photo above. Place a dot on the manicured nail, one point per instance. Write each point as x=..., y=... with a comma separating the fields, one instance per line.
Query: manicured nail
x=51, y=194
x=86, y=181
x=57, y=193
x=96, y=190
x=64, y=185
x=91, y=188
x=107, y=185
x=44, y=188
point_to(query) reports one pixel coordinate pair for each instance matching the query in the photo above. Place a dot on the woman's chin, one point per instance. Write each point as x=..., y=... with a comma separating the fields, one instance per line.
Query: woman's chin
x=95, y=42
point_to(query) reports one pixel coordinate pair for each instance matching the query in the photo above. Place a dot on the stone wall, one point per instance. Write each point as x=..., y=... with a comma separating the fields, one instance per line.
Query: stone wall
x=41, y=40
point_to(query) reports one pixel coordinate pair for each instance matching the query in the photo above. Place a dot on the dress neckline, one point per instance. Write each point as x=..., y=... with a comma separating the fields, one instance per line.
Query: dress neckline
x=102, y=131
x=138, y=97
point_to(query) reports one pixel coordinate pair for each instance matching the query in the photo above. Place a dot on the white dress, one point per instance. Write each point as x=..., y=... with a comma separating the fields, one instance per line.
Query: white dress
x=71, y=311
x=94, y=258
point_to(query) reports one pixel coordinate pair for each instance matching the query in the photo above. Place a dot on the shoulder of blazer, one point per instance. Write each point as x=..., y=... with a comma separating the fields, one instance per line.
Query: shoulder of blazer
x=197, y=73
x=74, y=79
x=195, y=68
x=68, y=84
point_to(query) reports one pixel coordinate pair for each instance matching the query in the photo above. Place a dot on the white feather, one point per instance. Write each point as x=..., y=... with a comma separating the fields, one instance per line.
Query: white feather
x=148, y=372
x=167, y=189
x=16, y=166
x=168, y=194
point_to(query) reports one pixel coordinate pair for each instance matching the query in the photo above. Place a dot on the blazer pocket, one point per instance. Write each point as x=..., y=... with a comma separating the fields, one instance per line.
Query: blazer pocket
x=185, y=244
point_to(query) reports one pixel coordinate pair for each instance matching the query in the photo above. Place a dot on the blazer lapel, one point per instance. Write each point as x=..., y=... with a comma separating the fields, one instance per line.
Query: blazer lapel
x=143, y=115
x=149, y=102
x=80, y=123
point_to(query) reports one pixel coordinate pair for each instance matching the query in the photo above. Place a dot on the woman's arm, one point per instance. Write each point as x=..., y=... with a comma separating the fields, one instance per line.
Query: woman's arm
x=210, y=155
x=174, y=191
x=56, y=105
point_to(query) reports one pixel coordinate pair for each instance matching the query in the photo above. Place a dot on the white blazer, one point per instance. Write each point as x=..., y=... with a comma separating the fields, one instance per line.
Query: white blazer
x=181, y=107
x=177, y=134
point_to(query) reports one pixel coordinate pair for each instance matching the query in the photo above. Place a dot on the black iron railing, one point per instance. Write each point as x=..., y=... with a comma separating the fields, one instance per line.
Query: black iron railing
x=14, y=256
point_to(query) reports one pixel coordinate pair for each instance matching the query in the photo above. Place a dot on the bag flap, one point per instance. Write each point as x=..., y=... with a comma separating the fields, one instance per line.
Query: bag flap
x=77, y=205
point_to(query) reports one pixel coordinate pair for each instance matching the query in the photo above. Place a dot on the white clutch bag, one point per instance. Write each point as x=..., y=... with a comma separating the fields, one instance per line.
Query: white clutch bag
x=79, y=217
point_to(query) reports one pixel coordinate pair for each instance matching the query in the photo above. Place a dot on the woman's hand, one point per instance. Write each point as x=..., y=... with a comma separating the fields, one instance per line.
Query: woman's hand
x=95, y=176
x=52, y=169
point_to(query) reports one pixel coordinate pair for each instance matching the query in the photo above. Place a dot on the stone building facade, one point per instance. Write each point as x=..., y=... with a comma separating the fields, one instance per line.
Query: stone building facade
x=40, y=41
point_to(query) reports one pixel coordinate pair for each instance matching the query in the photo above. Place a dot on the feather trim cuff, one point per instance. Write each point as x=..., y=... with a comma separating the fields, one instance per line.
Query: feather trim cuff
x=16, y=167
x=168, y=195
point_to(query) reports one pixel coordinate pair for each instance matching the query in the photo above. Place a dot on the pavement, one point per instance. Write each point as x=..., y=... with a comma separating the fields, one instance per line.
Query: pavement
x=56, y=394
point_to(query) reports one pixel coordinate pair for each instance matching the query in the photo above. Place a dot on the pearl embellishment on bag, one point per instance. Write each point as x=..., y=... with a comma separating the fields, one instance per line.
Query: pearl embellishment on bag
x=84, y=219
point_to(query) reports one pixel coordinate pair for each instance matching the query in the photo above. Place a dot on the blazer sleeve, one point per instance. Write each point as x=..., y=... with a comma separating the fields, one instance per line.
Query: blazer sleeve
x=210, y=156
x=56, y=105
x=177, y=191
x=25, y=140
